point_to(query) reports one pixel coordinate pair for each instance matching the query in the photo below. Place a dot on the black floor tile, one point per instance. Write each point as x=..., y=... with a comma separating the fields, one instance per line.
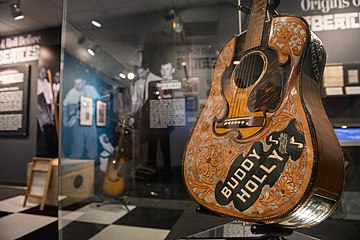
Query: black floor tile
x=76, y=206
x=3, y=214
x=9, y=192
x=332, y=229
x=80, y=230
x=50, y=231
x=50, y=211
x=150, y=217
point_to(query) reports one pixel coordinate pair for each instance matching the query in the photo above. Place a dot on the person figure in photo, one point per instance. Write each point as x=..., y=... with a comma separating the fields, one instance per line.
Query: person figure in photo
x=56, y=86
x=45, y=105
x=137, y=90
x=161, y=135
x=47, y=138
x=84, y=137
x=167, y=71
x=140, y=89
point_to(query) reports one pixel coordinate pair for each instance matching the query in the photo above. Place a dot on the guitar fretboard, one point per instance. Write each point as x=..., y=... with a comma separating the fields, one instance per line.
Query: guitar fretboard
x=256, y=24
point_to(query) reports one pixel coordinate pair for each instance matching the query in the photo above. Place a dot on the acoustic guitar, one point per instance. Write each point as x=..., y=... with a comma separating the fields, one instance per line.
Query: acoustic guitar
x=114, y=181
x=263, y=149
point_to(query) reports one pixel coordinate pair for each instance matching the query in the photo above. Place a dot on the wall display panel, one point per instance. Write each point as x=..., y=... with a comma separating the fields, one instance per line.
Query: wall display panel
x=14, y=96
x=32, y=50
x=336, y=23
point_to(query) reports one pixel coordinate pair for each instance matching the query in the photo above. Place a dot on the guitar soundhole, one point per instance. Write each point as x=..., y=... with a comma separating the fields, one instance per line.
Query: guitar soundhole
x=250, y=69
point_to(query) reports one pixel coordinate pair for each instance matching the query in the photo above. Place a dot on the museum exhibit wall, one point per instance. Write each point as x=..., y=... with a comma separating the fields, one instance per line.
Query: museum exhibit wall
x=20, y=141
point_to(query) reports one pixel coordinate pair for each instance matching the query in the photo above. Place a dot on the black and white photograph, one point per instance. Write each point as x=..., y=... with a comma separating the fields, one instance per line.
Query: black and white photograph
x=86, y=111
x=100, y=114
x=190, y=86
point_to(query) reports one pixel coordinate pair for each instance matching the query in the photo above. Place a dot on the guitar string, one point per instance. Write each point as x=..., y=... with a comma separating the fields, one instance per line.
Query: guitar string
x=234, y=92
x=234, y=95
x=249, y=74
x=238, y=89
x=238, y=74
x=233, y=79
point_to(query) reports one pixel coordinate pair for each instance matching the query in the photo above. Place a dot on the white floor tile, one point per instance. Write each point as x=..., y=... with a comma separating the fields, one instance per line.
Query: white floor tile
x=131, y=233
x=19, y=224
x=66, y=217
x=15, y=204
x=105, y=214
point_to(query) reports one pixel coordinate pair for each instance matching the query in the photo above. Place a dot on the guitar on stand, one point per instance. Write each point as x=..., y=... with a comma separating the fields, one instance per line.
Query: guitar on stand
x=114, y=181
x=263, y=149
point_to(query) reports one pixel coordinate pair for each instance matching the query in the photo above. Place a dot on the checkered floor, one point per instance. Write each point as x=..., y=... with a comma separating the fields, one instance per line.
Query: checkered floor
x=144, y=219
x=86, y=221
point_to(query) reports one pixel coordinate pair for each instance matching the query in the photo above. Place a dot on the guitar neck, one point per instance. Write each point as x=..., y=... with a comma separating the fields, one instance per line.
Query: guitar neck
x=121, y=138
x=256, y=24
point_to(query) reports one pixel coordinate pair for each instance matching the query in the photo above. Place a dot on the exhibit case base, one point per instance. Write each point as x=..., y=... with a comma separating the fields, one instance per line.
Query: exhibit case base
x=242, y=230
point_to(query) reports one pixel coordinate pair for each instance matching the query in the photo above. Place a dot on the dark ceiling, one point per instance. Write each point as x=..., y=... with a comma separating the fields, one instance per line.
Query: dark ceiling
x=128, y=26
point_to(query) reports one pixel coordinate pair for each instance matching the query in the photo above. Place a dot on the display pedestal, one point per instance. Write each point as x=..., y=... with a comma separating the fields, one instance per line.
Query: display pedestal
x=242, y=230
x=120, y=200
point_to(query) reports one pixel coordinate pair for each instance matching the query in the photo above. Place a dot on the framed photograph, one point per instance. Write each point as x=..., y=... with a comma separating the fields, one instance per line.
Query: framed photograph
x=190, y=86
x=333, y=76
x=86, y=111
x=352, y=76
x=100, y=114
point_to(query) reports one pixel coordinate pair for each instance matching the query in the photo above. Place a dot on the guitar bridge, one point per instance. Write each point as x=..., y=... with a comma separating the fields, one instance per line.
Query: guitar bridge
x=242, y=122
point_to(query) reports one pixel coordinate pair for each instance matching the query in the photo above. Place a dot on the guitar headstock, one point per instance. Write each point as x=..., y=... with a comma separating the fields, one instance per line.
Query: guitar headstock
x=125, y=121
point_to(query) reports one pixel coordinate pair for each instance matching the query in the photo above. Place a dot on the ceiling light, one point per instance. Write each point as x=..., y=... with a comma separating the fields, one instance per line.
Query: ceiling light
x=344, y=126
x=93, y=50
x=176, y=24
x=122, y=75
x=131, y=76
x=16, y=10
x=96, y=23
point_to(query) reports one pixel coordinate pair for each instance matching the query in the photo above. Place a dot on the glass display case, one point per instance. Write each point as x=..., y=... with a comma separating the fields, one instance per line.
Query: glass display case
x=135, y=76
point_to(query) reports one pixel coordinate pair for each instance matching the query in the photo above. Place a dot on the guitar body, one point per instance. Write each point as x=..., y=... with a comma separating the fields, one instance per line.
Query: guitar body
x=263, y=149
x=114, y=183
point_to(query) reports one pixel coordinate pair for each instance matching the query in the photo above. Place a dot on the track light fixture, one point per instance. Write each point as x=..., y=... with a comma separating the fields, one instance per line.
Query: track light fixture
x=177, y=25
x=16, y=10
x=175, y=20
x=93, y=49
